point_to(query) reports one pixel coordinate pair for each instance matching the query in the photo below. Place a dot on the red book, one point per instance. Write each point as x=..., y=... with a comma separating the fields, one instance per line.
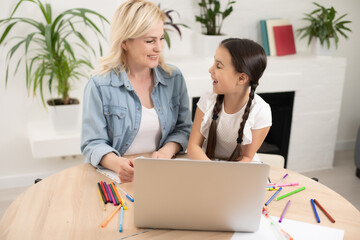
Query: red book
x=284, y=40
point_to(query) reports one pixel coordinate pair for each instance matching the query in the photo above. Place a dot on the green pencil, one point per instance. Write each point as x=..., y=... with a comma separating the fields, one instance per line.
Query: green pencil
x=290, y=193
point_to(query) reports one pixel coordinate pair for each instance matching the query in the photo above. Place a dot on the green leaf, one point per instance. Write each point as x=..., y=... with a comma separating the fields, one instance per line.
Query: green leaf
x=7, y=30
x=167, y=39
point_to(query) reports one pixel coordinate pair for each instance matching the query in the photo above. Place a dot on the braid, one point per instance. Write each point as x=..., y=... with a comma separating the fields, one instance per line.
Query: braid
x=237, y=153
x=211, y=144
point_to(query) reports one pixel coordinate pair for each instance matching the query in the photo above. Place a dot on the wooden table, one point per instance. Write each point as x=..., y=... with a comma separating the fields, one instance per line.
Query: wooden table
x=66, y=205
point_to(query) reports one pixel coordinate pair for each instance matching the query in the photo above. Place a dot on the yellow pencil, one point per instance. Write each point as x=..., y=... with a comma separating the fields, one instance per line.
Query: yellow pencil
x=111, y=216
x=101, y=200
x=122, y=200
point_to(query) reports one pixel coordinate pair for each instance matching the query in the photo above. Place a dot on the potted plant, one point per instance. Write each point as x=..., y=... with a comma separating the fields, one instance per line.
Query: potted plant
x=170, y=25
x=211, y=19
x=324, y=27
x=54, y=50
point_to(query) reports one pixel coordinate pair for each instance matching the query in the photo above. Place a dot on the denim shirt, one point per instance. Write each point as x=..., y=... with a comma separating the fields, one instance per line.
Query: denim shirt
x=112, y=113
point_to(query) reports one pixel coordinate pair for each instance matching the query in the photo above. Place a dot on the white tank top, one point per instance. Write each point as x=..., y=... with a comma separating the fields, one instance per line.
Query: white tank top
x=148, y=137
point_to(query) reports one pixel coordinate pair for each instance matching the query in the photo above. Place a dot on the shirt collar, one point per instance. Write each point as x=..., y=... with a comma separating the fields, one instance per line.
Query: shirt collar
x=123, y=79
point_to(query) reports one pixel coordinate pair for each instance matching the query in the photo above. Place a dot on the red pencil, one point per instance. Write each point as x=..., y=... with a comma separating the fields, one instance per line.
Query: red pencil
x=324, y=211
x=104, y=190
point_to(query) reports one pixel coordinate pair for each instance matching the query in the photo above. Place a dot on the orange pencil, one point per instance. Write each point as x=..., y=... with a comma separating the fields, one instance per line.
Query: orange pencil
x=111, y=216
x=324, y=211
x=122, y=200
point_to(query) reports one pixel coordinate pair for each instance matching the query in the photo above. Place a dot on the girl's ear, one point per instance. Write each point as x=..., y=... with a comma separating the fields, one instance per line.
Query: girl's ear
x=243, y=78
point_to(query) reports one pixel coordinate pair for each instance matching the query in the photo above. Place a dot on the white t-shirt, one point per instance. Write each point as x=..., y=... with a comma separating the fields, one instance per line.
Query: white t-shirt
x=148, y=137
x=228, y=124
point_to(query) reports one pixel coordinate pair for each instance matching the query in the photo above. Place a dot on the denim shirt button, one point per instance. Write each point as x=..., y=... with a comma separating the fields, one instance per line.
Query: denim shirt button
x=126, y=144
x=135, y=129
x=138, y=109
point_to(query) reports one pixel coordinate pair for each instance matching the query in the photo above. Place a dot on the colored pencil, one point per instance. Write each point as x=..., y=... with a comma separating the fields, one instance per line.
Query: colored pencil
x=284, y=211
x=272, y=197
x=101, y=193
x=121, y=219
x=314, y=208
x=281, y=233
x=290, y=193
x=114, y=195
x=277, y=184
x=102, y=199
x=108, y=192
x=110, y=217
x=116, y=192
x=270, y=185
x=126, y=194
x=324, y=211
x=104, y=191
x=123, y=203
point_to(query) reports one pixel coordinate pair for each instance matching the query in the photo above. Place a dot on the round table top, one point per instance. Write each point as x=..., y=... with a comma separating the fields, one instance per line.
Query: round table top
x=66, y=205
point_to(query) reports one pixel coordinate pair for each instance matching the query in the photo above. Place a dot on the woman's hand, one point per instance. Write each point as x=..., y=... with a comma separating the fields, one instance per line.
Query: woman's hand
x=124, y=167
x=126, y=171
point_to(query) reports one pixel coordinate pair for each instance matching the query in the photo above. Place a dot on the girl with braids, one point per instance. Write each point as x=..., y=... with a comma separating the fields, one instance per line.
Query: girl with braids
x=232, y=122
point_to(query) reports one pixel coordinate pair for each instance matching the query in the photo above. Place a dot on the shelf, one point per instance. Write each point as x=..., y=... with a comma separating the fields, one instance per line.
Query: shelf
x=45, y=142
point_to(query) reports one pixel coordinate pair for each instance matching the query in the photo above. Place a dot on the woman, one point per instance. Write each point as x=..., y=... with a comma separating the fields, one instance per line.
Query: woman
x=135, y=103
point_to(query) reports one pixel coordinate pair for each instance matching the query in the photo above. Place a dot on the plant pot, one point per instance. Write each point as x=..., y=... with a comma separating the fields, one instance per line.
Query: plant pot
x=65, y=118
x=320, y=50
x=206, y=45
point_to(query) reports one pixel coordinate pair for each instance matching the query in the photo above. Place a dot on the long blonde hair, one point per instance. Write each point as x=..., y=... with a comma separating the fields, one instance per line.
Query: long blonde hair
x=132, y=19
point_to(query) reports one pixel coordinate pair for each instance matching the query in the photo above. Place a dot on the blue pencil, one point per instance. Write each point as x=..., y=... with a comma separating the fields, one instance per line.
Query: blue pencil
x=121, y=219
x=315, y=212
x=273, y=196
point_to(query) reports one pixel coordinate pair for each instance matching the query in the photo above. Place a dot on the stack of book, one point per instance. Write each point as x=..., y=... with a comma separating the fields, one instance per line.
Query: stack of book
x=277, y=37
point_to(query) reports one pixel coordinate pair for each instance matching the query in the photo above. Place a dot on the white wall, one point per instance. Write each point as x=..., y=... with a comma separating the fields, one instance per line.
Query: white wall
x=18, y=167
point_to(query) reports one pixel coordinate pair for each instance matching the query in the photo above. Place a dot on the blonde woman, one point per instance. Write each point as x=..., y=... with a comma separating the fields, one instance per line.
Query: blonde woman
x=134, y=103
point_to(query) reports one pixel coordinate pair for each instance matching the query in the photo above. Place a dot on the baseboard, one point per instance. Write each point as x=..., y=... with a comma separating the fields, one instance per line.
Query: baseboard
x=344, y=145
x=21, y=180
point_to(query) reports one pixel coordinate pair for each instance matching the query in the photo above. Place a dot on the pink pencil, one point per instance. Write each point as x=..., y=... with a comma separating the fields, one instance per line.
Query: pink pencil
x=282, y=185
x=112, y=196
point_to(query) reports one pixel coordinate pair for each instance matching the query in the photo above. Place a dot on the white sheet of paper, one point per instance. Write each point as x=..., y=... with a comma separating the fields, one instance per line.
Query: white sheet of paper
x=109, y=173
x=298, y=230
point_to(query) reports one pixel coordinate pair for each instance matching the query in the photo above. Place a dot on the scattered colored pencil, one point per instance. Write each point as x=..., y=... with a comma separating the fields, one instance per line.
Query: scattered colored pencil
x=110, y=217
x=315, y=212
x=272, y=197
x=284, y=211
x=290, y=193
x=324, y=211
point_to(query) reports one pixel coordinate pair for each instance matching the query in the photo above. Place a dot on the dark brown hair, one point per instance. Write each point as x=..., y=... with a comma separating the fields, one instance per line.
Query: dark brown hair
x=247, y=57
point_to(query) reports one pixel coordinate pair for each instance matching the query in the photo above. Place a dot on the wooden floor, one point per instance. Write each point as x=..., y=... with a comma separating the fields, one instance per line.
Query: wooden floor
x=341, y=179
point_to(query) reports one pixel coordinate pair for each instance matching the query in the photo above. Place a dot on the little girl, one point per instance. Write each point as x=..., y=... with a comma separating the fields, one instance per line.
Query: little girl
x=232, y=122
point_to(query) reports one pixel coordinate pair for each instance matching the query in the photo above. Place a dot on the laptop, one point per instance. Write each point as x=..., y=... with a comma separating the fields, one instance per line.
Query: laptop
x=199, y=195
